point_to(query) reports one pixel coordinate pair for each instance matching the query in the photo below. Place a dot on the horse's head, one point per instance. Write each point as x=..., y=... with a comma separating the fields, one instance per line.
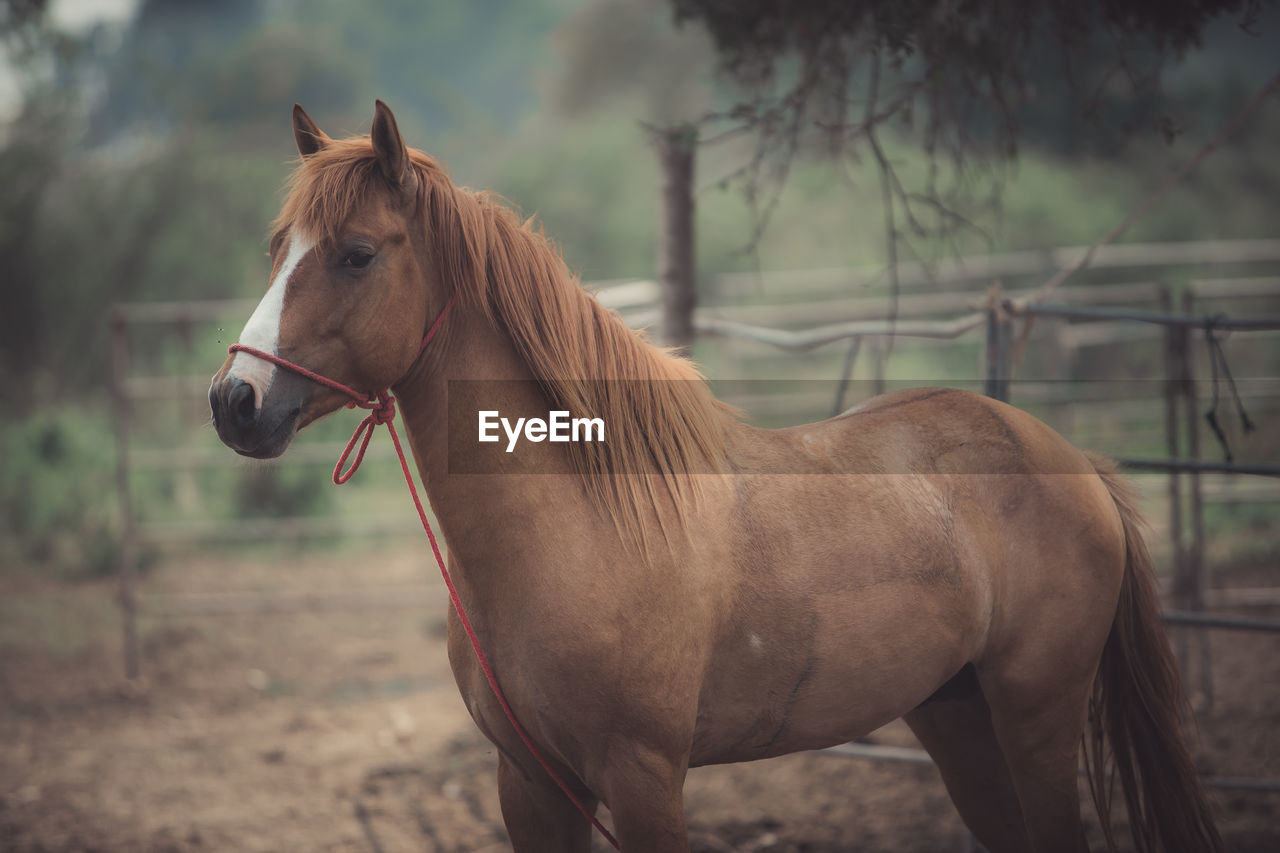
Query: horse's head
x=346, y=297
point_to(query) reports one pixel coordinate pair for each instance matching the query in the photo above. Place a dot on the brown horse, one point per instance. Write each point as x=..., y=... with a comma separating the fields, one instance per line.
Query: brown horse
x=693, y=590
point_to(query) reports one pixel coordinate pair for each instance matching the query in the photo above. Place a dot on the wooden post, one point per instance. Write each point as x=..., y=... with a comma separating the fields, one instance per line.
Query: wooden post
x=999, y=337
x=676, y=148
x=850, y=358
x=879, y=363
x=186, y=485
x=1005, y=350
x=1057, y=369
x=1194, y=574
x=126, y=557
x=1175, y=348
x=992, y=385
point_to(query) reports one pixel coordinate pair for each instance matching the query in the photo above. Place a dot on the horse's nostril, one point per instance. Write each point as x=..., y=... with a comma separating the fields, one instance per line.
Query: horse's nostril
x=240, y=404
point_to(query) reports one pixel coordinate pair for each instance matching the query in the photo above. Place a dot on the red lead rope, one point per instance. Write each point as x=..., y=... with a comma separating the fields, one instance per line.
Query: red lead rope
x=382, y=410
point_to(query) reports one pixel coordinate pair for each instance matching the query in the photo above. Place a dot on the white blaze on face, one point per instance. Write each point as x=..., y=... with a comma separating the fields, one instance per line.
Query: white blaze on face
x=263, y=329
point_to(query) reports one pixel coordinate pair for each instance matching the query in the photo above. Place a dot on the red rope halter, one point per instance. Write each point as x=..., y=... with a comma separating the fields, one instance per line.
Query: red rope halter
x=382, y=410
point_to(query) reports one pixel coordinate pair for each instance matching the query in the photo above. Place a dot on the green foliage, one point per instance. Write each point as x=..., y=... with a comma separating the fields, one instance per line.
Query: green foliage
x=590, y=190
x=58, y=505
x=450, y=63
x=980, y=71
x=271, y=491
x=174, y=226
x=275, y=67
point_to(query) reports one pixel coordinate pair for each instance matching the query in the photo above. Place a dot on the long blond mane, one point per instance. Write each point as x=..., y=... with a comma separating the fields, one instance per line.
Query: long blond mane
x=664, y=423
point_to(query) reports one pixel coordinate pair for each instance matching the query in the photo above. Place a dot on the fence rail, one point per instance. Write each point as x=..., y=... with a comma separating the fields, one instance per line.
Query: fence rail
x=1009, y=265
x=910, y=755
x=1181, y=466
x=1266, y=323
x=1226, y=623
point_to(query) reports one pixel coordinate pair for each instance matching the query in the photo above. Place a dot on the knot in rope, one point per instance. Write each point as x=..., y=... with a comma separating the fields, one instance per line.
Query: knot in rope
x=381, y=407
x=382, y=410
x=386, y=410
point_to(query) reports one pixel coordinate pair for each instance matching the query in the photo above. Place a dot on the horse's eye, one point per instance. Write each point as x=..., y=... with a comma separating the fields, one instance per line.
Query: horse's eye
x=358, y=260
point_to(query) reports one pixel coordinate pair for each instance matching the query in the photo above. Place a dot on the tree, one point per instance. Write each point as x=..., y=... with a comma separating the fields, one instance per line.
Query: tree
x=31, y=156
x=966, y=80
x=964, y=73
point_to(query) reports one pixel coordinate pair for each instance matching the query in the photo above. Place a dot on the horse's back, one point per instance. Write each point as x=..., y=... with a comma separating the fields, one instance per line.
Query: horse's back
x=949, y=431
x=1026, y=494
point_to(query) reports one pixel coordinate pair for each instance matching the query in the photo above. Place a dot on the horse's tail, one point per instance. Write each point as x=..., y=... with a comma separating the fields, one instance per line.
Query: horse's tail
x=1136, y=709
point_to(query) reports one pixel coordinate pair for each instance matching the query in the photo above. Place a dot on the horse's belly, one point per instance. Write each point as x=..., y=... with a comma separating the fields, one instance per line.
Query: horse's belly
x=861, y=660
x=773, y=735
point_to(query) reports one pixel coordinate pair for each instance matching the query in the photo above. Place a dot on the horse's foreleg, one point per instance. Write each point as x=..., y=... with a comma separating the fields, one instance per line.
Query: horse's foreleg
x=538, y=815
x=645, y=793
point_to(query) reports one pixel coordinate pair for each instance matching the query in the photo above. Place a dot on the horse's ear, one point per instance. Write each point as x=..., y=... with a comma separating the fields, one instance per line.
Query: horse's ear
x=306, y=133
x=393, y=157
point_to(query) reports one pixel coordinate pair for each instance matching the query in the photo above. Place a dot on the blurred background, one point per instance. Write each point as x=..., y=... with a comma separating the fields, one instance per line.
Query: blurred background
x=886, y=167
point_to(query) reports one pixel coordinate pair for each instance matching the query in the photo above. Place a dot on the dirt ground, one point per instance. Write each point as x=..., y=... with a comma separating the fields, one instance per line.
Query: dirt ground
x=338, y=727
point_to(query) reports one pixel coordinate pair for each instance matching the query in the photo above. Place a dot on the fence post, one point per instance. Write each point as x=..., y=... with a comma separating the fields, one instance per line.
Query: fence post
x=126, y=556
x=1057, y=368
x=1195, y=582
x=999, y=335
x=846, y=375
x=879, y=364
x=676, y=148
x=1175, y=347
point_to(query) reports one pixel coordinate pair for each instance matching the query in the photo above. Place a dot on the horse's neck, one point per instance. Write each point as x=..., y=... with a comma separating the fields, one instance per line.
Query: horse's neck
x=454, y=380
x=482, y=514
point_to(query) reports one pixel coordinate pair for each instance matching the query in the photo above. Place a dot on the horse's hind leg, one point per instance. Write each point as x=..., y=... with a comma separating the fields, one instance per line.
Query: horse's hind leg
x=538, y=815
x=959, y=736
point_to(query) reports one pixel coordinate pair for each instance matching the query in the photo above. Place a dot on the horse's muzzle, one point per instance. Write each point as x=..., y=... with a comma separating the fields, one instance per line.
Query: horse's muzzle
x=262, y=433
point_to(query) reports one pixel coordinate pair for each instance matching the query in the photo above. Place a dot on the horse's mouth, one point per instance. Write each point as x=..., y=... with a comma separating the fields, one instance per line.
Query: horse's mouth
x=275, y=444
x=267, y=442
